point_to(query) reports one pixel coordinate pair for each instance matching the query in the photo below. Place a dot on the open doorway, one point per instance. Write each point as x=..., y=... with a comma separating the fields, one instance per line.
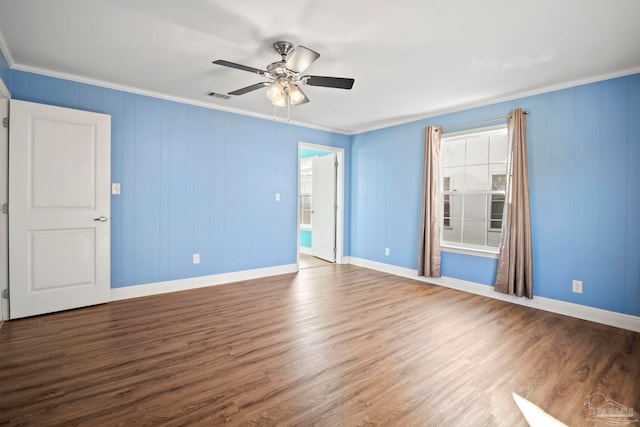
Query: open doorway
x=320, y=204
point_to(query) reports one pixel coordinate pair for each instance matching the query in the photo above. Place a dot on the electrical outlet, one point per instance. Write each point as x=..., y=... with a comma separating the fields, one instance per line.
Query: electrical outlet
x=196, y=258
x=277, y=197
x=115, y=188
x=576, y=286
x=387, y=252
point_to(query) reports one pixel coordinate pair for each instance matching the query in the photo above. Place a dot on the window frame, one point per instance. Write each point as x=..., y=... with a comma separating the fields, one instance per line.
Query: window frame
x=470, y=248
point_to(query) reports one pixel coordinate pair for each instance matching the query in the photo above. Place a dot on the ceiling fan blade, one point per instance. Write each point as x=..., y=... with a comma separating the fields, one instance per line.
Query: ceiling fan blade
x=335, y=82
x=300, y=59
x=249, y=88
x=239, y=67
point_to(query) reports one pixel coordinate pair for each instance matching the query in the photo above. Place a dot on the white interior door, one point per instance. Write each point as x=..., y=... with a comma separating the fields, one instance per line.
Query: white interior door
x=59, y=207
x=4, y=227
x=323, y=205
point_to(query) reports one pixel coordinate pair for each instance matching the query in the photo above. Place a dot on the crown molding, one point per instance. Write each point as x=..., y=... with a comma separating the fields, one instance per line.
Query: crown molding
x=5, y=50
x=496, y=100
x=348, y=132
x=166, y=97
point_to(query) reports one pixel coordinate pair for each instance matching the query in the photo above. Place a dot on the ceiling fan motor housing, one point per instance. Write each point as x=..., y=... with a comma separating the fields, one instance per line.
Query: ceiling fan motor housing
x=278, y=69
x=283, y=48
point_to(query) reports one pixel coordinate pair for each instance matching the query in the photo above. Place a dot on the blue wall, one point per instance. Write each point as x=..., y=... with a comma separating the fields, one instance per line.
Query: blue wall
x=4, y=70
x=305, y=238
x=584, y=157
x=309, y=152
x=194, y=180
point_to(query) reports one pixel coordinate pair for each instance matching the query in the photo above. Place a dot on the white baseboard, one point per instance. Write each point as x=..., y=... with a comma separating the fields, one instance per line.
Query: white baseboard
x=198, y=282
x=605, y=317
x=611, y=318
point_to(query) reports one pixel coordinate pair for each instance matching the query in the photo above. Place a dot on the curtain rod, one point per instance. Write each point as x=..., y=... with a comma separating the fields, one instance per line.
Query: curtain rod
x=449, y=128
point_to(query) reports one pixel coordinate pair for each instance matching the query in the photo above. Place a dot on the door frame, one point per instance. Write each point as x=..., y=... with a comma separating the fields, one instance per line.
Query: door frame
x=339, y=197
x=4, y=193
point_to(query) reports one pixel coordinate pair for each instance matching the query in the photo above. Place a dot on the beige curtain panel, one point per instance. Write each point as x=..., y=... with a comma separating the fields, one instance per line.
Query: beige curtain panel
x=429, y=249
x=515, y=260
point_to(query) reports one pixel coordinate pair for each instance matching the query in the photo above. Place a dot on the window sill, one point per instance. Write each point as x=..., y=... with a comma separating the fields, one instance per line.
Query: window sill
x=485, y=253
x=305, y=227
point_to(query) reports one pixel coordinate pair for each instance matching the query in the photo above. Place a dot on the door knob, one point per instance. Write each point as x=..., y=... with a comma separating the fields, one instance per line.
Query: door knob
x=101, y=219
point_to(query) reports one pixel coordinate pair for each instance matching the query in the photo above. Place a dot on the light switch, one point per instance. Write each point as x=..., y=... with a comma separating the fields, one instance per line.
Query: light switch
x=277, y=197
x=115, y=188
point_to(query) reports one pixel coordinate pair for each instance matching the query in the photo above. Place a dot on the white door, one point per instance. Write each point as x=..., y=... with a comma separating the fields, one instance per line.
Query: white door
x=59, y=208
x=323, y=205
x=4, y=228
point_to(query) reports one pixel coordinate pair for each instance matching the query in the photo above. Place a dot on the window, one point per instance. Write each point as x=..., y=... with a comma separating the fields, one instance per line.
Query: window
x=446, y=211
x=306, y=171
x=498, y=183
x=305, y=210
x=474, y=167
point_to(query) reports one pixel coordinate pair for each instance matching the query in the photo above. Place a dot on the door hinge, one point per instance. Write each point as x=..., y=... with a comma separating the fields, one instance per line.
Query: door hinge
x=5, y=122
x=5, y=208
x=5, y=293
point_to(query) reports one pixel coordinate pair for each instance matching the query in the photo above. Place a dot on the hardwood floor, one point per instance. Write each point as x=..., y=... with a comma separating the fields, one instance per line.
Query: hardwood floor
x=329, y=346
x=309, y=261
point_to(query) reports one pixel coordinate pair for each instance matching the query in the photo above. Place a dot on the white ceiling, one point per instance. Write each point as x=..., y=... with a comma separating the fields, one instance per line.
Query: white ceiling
x=410, y=58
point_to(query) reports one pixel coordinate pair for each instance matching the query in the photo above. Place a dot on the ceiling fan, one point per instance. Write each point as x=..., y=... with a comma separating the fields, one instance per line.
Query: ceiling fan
x=285, y=76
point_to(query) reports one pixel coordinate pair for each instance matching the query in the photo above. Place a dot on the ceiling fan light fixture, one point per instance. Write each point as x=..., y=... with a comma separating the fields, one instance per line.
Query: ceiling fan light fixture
x=281, y=102
x=295, y=95
x=275, y=93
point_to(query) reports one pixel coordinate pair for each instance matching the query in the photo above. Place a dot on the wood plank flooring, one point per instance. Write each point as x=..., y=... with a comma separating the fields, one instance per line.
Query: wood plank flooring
x=329, y=346
x=309, y=261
